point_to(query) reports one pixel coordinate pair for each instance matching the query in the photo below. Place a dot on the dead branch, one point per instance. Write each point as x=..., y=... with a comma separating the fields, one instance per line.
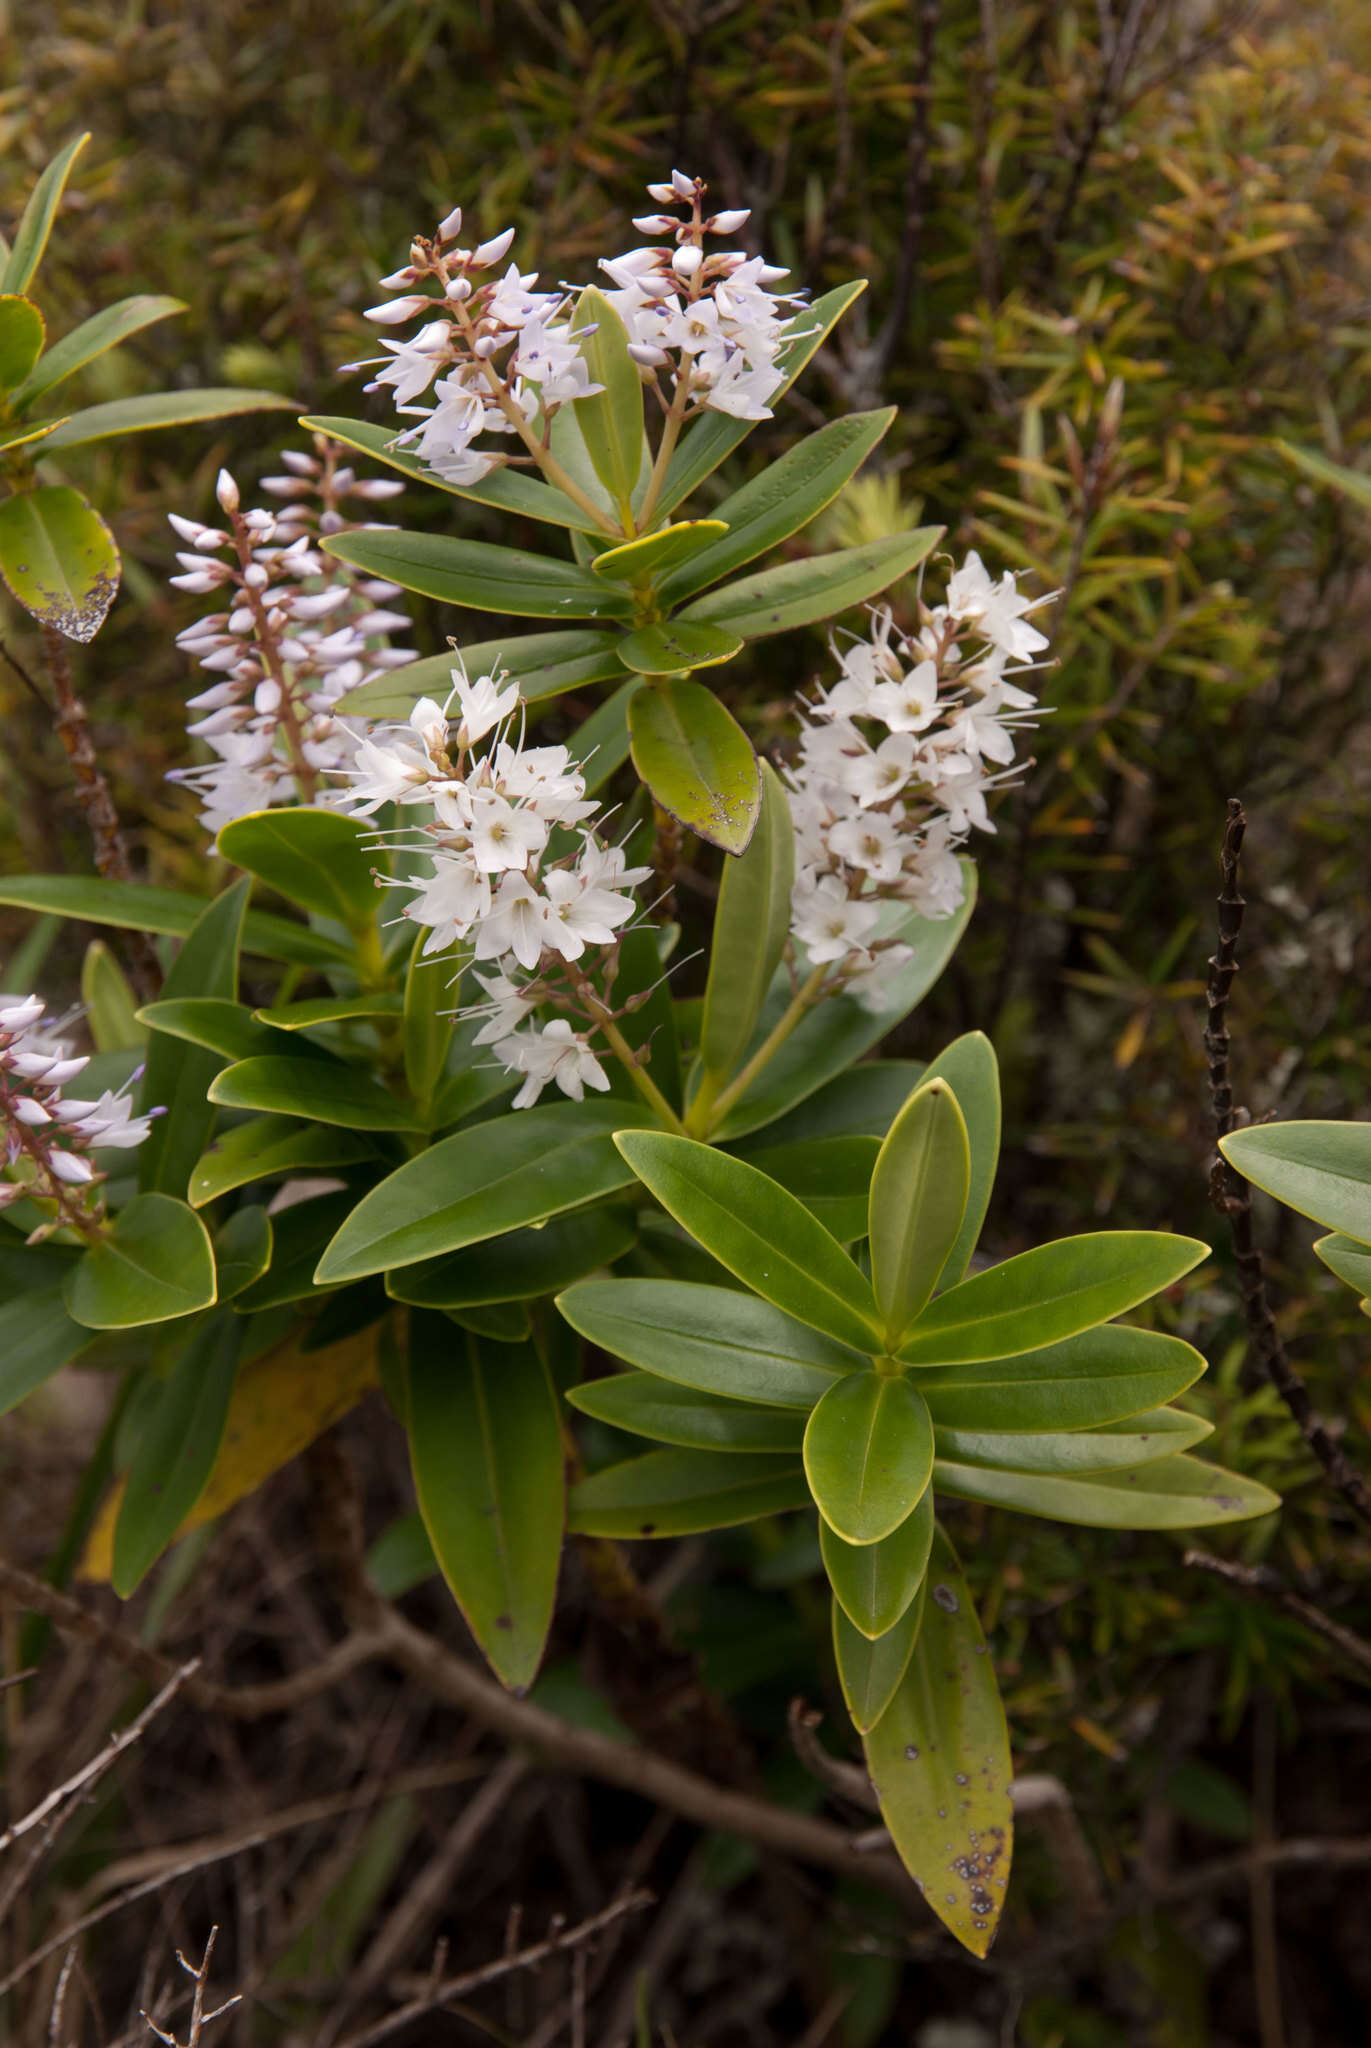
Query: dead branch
x=199, y=2018
x=1261, y=1583
x=90, y=1773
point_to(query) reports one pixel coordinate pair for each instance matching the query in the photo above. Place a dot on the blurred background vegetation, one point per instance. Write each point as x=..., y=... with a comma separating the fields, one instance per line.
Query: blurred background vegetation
x=1116, y=253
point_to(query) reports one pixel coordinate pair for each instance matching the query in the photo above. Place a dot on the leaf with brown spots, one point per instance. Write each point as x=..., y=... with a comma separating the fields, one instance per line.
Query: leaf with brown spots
x=59, y=559
x=939, y=1760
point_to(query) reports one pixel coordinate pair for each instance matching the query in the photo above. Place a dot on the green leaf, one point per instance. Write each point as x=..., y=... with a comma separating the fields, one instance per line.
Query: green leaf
x=486, y=1449
x=868, y=1454
x=506, y=1322
x=472, y=572
x=875, y=1582
x=242, y=1250
x=509, y=490
x=711, y=1338
x=59, y=559
x=1348, y=1258
x=645, y=1405
x=684, y=1492
x=401, y=1558
x=601, y=743
x=650, y=1027
x=781, y=499
x=299, y=1233
x=325, y=1091
x=316, y=1010
x=829, y=1175
x=674, y=648
x=919, y=1189
x=31, y=237
x=1321, y=1169
x=104, y=330
x=862, y=1102
x=40, y=1338
x=1178, y=1492
x=25, y=437
x=1115, y=1447
x=697, y=761
x=870, y=1667
x=751, y=925
x=177, y=1447
x=611, y=419
x=318, y=859
x=22, y=331
x=1049, y=1293
x=177, y=1076
x=939, y=1760
x=642, y=563
x=133, y=907
x=481, y=1182
x=758, y=1231
x=153, y=1264
x=1101, y=1376
x=521, y=1265
x=432, y=995
x=213, y=1022
x=162, y=409
x=543, y=665
x=111, y=1010
x=710, y=440
x=972, y=1072
x=805, y=592
x=1352, y=483
x=271, y=1148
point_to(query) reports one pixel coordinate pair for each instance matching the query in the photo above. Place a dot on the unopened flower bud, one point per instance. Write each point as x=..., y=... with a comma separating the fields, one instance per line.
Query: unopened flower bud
x=728, y=223
x=655, y=223
x=398, y=279
x=395, y=311
x=687, y=260
x=682, y=186
x=226, y=491
x=666, y=193
x=450, y=226
x=490, y=252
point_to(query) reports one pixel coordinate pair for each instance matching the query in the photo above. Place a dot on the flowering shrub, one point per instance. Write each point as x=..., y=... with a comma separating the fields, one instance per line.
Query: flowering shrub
x=776, y=1238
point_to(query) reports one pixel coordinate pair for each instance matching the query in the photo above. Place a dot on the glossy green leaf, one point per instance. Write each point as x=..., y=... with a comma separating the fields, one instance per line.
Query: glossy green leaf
x=25, y=437
x=481, y=1182
x=214, y=1022
x=40, y=1338
x=868, y=1454
x=972, y=1072
x=271, y=1148
x=104, y=330
x=110, y=1005
x=163, y=409
x=862, y=1102
x=611, y=419
x=646, y=1405
x=805, y=592
x=870, y=1667
x=299, y=1233
x=919, y=1189
x=758, y=1231
x=1170, y=1493
x=432, y=996
x=22, y=332
x=939, y=1760
x=401, y=1558
x=714, y=1339
x=697, y=761
x=486, y=1448
x=684, y=1492
x=1048, y=1293
x=781, y=498
x=505, y=1322
x=711, y=439
x=1116, y=1446
x=874, y=1583
x=521, y=1265
x=1099, y=1377
x=242, y=1250
x=570, y=450
x=318, y=859
x=472, y=572
x=829, y=1175
x=751, y=925
x=508, y=490
x=58, y=558
x=154, y=1263
x=1321, y=1169
x=177, y=1076
x=31, y=236
x=675, y=648
x=177, y=1446
x=316, y=1010
x=543, y=665
x=131, y=906
x=642, y=563
x=1348, y=1258
x=325, y=1091
x=601, y=744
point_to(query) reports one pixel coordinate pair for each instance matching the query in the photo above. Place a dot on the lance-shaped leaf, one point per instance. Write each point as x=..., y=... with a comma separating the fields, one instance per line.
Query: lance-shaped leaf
x=25, y=437
x=495, y=1177
x=611, y=419
x=1114, y=1447
x=242, y=1250
x=1321, y=1169
x=21, y=340
x=684, y=1493
x=870, y=1667
x=939, y=1760
x=862, y=1102
x=316, y=1010
x=318, y=859
x=521, y=1265
x=110, y=1005
x=486, y=1449
x=919, y=1188
x=781, y=499
x=162, y=409
x=972, y=1072
x=1171, y=1493
x=508, y=490
x=299, y=1233
x=675, y=648
x=40, y=1338
x=602, y=743
x=324, y=1091
x=874, y=1583
x=641, y=564
x=1352, y=483
x=154, y=1263
x=1348, y=1258
x=131, y=906
x=59, y=559
x=213, y=1022
x=751, y=925
x=831, y=1176
x=432, y=996
x=697, y=761
x=1049, y=1293
x=1085, y=1382
x=711, y=1338
x=31, y=237
x=645, y=1405
x=177, y=1447
x=271, y=1148
x=801, y=593
x=103, y=331
x=178, y=1074
x=758, y=1231
x=868, y=1454
x=542, y=664
x=472, y=572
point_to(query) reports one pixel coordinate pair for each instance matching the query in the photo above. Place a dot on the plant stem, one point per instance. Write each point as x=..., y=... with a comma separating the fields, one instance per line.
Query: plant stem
x=701, y=1122
x=604, y=1021
x=671, y=428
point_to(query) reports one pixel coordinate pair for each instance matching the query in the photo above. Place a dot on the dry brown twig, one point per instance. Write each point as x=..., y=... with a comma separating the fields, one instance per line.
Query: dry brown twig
x=1261, y=1583
x=199, y=2018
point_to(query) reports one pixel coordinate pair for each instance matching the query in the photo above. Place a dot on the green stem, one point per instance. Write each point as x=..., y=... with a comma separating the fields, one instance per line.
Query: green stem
x=671, y=429
x=624, y=1053
x=702, y=1120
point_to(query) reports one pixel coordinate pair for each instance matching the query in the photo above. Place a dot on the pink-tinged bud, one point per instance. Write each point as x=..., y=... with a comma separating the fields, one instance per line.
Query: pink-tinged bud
x=398, y=279
x=344, y=479
x=302, y=464
x=655, y=223
x=29, y=1112
x=490, y=252
x=450, y=226
x=768, y=273
x=287, y=486
x=76, y=1172
x=255, y=576
x=665, y=193
x=377, y=488
x=489, y=345
x=226, y=491
x=395, y=311
x=459, y=288
x=648, y=357
x=728, y=223
x=188, y=529
x=382, y=622
x=331, y=522
x=682, y=186
x=19, y=1016
x=197, y=584
x=259, y=522
x=687, y=260
x=209, y=540
x=240, y=619
x=266, y=697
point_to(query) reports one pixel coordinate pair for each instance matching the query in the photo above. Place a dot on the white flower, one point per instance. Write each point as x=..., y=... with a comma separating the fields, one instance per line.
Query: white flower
x=557, y=1053
x=883, y=772
x=828, y=923
x=504, y=1009
x=451, y=900
x=581, y=915
x=909, y=704
x=515, y=923
x=872, y=841
x=504, y=835
x=484, y=704
x=995, y=608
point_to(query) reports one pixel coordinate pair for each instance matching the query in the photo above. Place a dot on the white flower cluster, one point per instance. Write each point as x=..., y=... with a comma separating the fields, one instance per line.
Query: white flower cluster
x=299, y=631
x=49, y=1136
x=710, y=318
x=502, y=887
x=895, y=764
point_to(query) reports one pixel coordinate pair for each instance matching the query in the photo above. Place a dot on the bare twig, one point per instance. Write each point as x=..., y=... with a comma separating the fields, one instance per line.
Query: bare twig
x=90, y=1773
x=1261, y=1583
x=915, y=195
x=199, y=2018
